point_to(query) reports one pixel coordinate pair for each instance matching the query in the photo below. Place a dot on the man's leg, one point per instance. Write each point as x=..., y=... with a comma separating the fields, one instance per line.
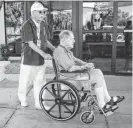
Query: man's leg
x=24, y=81
x=107, y=97
x=96, y=79
x=39, y=82
x=105, y=91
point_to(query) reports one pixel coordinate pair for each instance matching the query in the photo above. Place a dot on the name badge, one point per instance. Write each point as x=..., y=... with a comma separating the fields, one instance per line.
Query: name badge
x=39, y=43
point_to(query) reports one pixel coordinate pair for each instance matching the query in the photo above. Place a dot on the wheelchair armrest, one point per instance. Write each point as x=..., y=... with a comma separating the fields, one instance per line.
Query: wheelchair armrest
x=77, y=71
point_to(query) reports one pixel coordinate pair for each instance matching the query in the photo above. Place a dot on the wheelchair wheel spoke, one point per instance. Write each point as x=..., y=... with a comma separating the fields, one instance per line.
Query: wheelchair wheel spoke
x=67, y=108
x=65, y=94
x=52, y=107
x=48, y=99
x=59, y=110
x=50, y=92
x=69, y=102
x=72, y=96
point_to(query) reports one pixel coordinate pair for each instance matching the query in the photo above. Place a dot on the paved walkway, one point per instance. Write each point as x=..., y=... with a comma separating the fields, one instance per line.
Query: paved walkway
x=14, y=116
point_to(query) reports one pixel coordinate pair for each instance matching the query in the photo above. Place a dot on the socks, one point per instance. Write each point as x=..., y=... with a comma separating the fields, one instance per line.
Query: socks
x=107, y=97
x=115, y=98
x=100, y=96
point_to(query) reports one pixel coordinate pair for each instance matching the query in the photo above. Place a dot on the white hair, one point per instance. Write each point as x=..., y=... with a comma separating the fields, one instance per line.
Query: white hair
x=64, y=35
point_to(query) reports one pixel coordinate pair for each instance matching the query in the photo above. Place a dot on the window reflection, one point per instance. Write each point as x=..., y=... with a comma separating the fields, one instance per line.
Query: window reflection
x=97, y=37
x=62, y=20
x=14, y=13
x=97, y=15
x=124, y=39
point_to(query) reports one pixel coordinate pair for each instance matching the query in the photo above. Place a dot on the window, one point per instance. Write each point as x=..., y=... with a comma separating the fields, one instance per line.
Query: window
x=14, y=14
x=61, y=19
x=98, y=33
x=124, y=37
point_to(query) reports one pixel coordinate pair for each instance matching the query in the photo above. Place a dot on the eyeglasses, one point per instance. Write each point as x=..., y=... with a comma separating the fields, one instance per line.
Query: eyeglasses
x=41, y=12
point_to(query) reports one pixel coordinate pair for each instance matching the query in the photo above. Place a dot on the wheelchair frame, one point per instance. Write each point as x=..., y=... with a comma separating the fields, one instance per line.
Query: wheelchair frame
x=67, y=99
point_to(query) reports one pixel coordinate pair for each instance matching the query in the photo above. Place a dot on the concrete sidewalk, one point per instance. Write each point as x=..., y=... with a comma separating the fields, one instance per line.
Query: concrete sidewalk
x=14, y=116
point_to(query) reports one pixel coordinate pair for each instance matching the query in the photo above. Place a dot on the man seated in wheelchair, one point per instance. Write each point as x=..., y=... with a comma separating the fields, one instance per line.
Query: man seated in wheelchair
x=66, y=61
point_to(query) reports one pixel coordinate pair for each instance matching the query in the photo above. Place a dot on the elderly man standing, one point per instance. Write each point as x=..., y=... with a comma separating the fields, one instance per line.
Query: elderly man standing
x=35, y=40
x=66, y=61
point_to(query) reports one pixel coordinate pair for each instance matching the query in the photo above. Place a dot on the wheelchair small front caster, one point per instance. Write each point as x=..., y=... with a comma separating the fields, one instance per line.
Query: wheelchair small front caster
x=87, y=117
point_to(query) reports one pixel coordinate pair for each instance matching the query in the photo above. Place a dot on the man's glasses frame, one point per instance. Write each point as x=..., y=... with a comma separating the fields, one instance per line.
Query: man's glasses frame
x=41, y=12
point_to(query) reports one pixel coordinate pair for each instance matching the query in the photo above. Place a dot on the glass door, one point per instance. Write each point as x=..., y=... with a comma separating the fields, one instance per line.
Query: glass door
x=60, y=19
x=98, y=34
x=124, y=38
x=14, y=18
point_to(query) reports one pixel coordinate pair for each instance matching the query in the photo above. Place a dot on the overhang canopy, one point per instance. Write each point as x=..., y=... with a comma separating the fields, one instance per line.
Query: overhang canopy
x=67, y=5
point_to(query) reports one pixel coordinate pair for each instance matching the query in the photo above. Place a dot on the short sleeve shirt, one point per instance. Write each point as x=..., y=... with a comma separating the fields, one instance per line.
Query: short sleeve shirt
x=29, y=33
x=64, y=58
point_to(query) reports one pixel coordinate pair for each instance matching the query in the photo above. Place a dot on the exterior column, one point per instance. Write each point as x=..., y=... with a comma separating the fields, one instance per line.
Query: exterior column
x=27, y=6
x=80, y=37
x=114, y=48
x=77, y=23
x=75, y=26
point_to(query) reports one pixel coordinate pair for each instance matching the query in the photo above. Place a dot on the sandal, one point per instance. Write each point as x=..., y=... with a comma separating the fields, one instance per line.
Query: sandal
x=113, y=104
x=119, y=99
x=108, y=110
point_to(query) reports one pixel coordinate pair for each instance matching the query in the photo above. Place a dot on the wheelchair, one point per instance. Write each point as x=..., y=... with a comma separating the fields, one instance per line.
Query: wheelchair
x=66, y=101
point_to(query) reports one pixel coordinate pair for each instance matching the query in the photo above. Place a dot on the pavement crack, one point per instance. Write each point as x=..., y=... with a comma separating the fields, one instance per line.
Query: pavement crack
x=15, y=109
x=8, y=107
x=9, y=118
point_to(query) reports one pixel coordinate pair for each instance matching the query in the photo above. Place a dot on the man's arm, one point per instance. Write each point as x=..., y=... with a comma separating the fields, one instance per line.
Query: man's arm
x=88, y=66
x=49, y=45
x=36, y=49
x=79, y=61
x=83, y=65
x=75, y=68
x=27, y=37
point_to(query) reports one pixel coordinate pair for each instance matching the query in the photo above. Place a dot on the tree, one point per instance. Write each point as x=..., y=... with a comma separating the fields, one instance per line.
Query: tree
x=13, y=11
x=121, y=17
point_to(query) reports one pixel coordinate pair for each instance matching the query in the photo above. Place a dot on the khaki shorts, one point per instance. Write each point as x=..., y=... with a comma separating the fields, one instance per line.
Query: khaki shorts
x=79, y=80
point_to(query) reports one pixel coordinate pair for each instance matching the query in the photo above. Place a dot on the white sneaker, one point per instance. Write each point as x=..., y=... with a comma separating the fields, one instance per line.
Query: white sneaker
x=24, y=104
x=38, y=107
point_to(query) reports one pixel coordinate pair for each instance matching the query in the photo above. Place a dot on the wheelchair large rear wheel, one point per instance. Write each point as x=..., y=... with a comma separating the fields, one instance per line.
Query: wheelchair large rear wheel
x=59, y=100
